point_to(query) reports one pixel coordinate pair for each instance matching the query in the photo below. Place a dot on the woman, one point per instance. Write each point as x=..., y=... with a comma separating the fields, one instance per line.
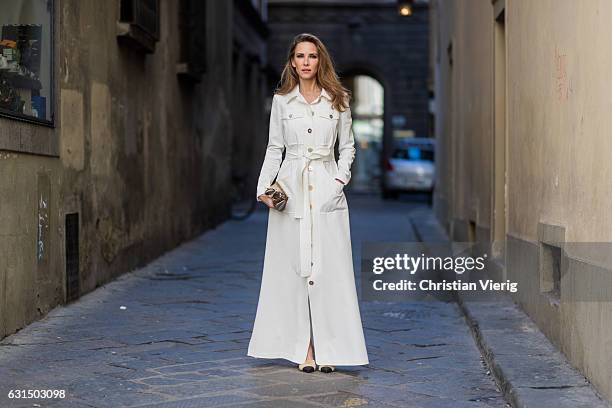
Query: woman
x=308, y=305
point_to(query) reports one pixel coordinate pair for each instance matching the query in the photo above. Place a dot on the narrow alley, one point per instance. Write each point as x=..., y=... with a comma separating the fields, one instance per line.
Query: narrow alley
x=175, y=334
x=188, y=187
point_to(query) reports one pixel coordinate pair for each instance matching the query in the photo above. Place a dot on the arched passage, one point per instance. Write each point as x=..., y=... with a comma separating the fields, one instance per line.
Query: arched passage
x=370, y=123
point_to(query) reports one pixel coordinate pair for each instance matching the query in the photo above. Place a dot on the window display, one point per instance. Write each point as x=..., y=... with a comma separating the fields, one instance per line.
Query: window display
x=25, y=58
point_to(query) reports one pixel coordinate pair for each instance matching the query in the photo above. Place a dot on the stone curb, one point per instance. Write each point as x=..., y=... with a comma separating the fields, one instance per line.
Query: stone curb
x=528, y=368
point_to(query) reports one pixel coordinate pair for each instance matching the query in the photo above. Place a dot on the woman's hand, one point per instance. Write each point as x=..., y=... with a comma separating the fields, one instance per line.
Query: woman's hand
x=267, y=200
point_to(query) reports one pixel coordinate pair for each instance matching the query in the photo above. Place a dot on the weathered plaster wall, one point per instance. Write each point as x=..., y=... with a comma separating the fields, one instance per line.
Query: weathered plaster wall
x=558, y=170
x=144, y=158
x=558, y=111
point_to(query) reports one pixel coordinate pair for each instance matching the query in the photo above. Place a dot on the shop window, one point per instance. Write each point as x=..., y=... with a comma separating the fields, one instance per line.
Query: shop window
x=139, y=24
x=26, y=55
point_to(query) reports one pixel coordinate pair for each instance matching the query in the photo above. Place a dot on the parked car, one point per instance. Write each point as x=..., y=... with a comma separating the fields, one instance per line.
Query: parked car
x=411, y=168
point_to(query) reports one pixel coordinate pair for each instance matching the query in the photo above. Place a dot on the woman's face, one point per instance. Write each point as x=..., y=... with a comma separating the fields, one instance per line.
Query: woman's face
x=306, y=60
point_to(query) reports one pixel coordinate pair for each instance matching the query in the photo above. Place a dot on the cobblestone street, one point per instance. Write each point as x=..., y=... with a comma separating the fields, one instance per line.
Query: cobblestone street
x=175, y=334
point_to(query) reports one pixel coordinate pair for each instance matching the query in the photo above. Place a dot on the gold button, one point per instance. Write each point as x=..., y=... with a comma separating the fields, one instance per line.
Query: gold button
x=310, y=187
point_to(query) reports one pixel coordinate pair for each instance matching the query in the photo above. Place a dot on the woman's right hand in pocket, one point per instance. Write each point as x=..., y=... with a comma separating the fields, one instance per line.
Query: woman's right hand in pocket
x=267, y=200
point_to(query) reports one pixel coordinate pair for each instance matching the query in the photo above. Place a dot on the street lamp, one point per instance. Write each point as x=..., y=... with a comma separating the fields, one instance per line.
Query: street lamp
x=404, y=7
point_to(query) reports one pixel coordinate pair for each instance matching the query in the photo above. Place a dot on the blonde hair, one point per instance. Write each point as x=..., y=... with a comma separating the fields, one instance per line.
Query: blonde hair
x=326, y=74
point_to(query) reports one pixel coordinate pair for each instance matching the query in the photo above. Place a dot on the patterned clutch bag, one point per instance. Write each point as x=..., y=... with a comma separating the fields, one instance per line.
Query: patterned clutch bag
x=279, y=197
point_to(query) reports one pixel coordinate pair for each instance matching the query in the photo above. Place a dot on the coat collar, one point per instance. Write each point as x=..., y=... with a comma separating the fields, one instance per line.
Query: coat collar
x=295, y=92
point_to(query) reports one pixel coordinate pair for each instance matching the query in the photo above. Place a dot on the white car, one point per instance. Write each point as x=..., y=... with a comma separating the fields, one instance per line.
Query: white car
x=410, y=168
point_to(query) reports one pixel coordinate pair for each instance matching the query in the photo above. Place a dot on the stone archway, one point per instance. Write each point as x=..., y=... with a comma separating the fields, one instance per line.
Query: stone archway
x=370, y=148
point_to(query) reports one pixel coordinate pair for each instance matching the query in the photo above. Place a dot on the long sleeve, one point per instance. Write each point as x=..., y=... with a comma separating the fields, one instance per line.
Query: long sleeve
x=346, y=145
x=274, y=151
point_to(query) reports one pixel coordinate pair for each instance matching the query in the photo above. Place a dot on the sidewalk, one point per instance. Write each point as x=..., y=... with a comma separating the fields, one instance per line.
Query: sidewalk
x=530, y=371
x=175, y=334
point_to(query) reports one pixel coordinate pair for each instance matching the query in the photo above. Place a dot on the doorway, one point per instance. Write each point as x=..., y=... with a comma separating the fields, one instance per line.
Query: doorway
x=367, y=110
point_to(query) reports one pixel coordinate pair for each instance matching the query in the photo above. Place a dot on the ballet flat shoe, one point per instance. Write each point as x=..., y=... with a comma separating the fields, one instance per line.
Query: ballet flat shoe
x=327, y=368
x=308, y=367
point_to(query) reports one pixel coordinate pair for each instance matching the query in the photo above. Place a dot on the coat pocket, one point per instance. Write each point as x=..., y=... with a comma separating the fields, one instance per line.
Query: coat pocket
x=327, y=123
x=336, y=199
x=293, y=124
x=291, y=114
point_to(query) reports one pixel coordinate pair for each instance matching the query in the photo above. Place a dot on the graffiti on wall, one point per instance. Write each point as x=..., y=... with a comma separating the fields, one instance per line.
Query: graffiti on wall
x=42, y=236
x=562, y=82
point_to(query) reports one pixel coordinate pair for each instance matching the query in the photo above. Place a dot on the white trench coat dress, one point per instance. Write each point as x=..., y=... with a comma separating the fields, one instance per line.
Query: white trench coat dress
x=308, y=282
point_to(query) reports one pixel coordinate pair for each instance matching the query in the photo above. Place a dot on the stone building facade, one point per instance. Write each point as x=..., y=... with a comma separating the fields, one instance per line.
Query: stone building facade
x=133, y=153
x=521, y=120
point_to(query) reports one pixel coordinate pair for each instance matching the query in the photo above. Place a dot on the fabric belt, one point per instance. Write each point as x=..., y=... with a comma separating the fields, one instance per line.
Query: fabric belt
x=303, y=210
